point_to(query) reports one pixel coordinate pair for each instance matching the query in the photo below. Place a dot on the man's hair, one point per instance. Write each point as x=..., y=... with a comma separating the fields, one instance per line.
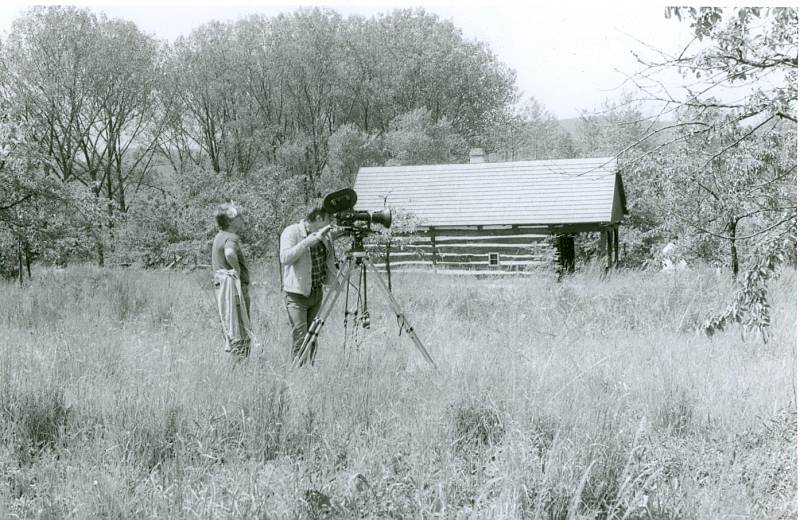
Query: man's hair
x=225, y=213
x=316, y=212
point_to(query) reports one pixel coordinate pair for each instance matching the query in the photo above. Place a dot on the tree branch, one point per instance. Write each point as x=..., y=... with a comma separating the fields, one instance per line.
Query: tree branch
x=16, y=202
x=737, y=141
x=729, y=237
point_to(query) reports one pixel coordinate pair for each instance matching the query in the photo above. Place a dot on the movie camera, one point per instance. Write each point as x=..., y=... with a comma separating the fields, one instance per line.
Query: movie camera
x=354, y=222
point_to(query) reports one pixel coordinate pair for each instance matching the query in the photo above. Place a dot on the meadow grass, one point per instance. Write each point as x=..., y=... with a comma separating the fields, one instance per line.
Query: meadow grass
x=592, y=397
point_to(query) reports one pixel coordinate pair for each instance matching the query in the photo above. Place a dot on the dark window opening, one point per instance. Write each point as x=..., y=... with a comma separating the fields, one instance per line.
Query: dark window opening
x=566, y=252
x=494, y=258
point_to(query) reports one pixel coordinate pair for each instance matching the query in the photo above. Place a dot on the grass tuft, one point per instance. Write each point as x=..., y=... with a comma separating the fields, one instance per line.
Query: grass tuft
x=675, y=413
x=39, y=422
x=476, y=426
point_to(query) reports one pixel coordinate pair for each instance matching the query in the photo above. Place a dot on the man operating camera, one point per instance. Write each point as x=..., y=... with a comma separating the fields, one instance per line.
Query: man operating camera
x=308, y=263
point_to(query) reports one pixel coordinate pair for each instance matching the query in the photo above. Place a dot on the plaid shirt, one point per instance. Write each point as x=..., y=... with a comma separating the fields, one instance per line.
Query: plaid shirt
x=319, y=270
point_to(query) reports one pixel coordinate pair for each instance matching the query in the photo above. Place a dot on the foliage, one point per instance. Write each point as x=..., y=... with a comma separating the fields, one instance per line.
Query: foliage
x=727, y=186
x=417, y=138
x=530, y=132
x=177, y=225
x=294, y=103
x=745, y=45
x=245, y=93
x=84, y=88
x=349, y=148
x=619, y=128
x=750, y=306
x=716, y=173
x=36, y=210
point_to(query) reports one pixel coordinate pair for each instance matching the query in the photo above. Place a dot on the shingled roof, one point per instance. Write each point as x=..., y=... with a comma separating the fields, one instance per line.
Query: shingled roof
x=544, y=193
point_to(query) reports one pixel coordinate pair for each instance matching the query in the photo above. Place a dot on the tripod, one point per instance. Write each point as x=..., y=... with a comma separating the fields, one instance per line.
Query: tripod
x=356, y=259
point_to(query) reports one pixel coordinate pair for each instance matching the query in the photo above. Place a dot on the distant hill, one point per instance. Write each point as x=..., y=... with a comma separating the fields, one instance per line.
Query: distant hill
x=572, y=124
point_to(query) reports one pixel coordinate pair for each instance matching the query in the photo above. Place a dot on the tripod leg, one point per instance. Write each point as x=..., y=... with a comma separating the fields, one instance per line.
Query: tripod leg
x=401, y=318
x=342, y=280
x=363, y=292
x=346, y=315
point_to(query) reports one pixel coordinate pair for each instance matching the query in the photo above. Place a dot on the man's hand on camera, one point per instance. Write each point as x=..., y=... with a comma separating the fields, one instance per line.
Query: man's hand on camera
x=336, y=232
x=317, y=236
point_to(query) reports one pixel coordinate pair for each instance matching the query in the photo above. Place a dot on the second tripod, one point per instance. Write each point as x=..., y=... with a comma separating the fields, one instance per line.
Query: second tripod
x=357, y=260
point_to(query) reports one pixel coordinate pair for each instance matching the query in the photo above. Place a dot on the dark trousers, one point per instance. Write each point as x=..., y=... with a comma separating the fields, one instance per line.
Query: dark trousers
x=302, y=311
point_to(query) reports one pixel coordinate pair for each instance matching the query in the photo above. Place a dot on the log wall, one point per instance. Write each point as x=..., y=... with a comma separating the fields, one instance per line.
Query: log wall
x=496, y=249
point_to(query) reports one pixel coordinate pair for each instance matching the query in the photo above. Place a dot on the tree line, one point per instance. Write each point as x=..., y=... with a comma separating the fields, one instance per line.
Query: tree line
x=114, y=146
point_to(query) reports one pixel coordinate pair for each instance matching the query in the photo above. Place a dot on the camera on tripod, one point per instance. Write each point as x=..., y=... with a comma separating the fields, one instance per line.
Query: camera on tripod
x=353, y=222
x=356, y=224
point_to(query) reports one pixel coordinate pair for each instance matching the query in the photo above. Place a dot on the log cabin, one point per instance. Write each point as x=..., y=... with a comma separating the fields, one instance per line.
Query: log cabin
x=498, y=217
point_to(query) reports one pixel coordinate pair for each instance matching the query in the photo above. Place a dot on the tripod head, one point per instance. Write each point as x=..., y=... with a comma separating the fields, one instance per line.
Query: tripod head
x=358, y=234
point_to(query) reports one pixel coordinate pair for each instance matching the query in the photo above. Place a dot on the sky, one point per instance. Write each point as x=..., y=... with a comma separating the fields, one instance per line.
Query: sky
x=568, y=56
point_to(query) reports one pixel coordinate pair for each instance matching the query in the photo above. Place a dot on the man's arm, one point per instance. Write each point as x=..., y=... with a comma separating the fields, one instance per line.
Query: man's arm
x=291, y=251
x=232, y=258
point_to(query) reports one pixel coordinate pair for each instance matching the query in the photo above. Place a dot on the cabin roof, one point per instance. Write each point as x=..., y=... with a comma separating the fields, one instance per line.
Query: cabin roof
x=545, y=193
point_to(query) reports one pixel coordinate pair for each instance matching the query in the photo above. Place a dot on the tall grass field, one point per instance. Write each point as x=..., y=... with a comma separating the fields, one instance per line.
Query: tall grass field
x=593, y=397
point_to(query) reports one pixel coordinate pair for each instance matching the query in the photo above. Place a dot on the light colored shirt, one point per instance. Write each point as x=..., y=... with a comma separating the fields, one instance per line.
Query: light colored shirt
x=295, y=256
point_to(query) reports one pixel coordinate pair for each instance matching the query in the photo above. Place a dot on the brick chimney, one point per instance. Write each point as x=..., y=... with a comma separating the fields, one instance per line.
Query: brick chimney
x=476, y=156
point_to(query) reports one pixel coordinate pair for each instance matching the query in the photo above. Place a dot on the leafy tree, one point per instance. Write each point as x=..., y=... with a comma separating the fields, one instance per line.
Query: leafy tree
x=46, y=80
x=20, y=187
x=432, y=66
x=349, y=149
x=750, y=306
x=753, y=51
x=531, y=133
x=84, y=88
x=208, y=108
x=619, y=128
x=721, y=186
x=36, y=210
x=297, y=101
x=418, y=139
x=738, y=174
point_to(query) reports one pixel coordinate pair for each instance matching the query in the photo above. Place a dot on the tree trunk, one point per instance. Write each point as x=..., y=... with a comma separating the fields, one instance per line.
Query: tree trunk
x=19, y=259
x=734, y=254
x=101, y=261
x=120, y=187
x=26, y=250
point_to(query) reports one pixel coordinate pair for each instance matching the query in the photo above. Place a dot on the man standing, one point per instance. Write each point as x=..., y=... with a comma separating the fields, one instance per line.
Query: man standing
x=232, y=281
x=308, y=261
